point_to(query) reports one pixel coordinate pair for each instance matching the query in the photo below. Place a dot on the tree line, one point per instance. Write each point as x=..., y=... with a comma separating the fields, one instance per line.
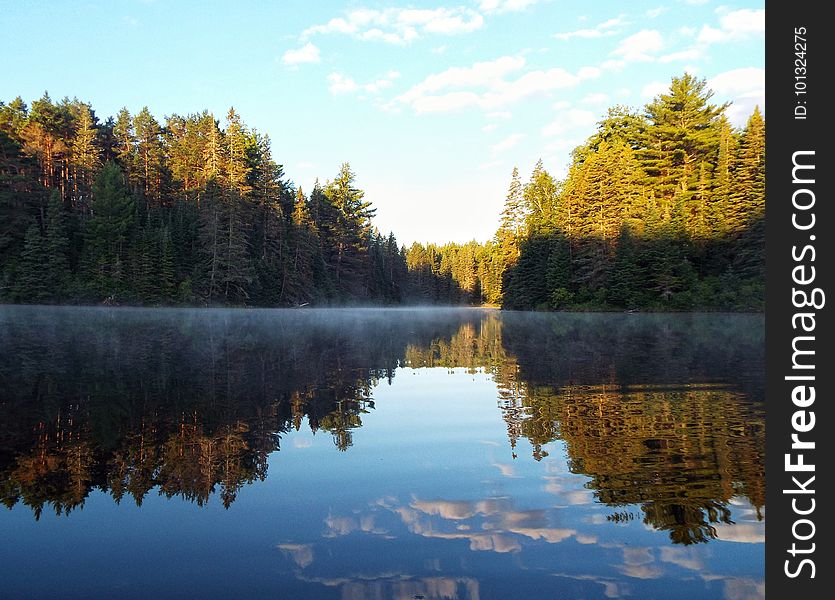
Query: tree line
x=131, y=210
x=661, y=209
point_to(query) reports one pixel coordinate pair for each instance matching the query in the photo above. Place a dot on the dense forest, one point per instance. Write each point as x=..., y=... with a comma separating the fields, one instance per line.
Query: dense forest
x=661, y=209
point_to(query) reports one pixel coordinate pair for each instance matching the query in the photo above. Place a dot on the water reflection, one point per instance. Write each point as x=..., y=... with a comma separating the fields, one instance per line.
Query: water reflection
x=616, y=426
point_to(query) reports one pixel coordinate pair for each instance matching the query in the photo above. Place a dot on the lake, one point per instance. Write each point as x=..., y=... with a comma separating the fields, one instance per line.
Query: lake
x=381, y=453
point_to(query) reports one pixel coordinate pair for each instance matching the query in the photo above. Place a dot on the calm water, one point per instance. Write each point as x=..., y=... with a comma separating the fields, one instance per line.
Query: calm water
x=380, y=454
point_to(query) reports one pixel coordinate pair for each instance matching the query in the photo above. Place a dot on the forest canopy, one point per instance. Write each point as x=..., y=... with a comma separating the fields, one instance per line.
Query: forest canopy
x=662, y=209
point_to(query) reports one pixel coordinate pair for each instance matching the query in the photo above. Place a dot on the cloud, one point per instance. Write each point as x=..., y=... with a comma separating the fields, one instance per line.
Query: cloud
x=686, y=558
x=486, y=85
x=682, y=55
x=506, y=144
x=574, y=118
x=744, y=87
x=640, y=46
x=478, y=75
x=736, y=25
x=301, y=554
x=399, y=25
x=342, y=84
x=738, y=588
x=656, y=12
x=607, y=27
x=502, y=6
x=639, y=563
x=306, y=54
x=652, y=89
x=501, y=114
x=744, y=533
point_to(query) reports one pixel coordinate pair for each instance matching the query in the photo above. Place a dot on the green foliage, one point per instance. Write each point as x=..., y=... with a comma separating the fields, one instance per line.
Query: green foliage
x=186, y=212
x=661, y=209
x=655, y=209
x=108, y=232
x=32, y=282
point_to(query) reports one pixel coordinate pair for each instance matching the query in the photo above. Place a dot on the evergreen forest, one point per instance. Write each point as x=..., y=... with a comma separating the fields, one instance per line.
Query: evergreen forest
x=662, y=208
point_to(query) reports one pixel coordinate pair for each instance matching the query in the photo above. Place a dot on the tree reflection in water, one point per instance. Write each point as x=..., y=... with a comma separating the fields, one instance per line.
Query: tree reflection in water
x=663, y=412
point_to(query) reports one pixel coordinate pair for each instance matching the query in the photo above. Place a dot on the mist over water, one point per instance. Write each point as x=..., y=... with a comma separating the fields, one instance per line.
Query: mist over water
x=351, y=453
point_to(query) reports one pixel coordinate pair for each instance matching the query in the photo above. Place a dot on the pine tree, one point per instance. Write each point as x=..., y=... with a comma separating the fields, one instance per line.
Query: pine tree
x=149, y=156
x=212, y=149
x=85, y=154
x=237, y=169
x=32, y=282
x=303, y=253
x=108, y=231
x=13, y=116
x=722, y=218
x=748, y=201
x=166, y=286
x=684, y=127
x=57, y=246
x=350, y=232
x=125, y=149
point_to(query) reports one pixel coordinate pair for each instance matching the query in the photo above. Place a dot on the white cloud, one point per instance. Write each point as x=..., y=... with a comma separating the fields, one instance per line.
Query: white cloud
x=483, y=85
x=574, y=118
x=744, y=87
x=479, y=74
x=588, y=73
x=744, y=533
x=686, y=558
x=734, y=26
x=689, y=54
x=340, y=84
x=503, y=114
x=399, y=25
x=651, y=90
x=507, y=143
x=612, y=65
x=306, y=54
x=639, y=46
x=605, y=28
x=561, y=105
x=489, y=127
x=656, y=12
x=500, y=6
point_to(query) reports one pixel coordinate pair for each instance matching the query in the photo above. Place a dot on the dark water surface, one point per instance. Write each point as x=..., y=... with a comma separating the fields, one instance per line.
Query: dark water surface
x=404, y=453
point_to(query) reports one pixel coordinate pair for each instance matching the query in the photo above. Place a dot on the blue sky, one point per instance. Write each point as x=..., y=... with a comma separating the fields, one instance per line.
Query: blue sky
x=432, y=102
